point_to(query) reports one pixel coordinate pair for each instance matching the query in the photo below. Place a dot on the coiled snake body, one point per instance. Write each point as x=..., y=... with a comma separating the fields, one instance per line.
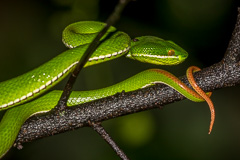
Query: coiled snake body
x=77, y=36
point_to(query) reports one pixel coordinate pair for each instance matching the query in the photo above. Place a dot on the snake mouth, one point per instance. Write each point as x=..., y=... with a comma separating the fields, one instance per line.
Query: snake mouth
x=157, y=59
x=182, y=58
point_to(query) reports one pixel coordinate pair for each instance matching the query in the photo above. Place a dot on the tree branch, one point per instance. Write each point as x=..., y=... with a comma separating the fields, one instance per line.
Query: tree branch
x=223, y=74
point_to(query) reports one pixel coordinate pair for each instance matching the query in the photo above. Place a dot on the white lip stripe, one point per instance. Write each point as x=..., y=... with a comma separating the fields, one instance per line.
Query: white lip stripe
x=154, y=56
x=42, y=87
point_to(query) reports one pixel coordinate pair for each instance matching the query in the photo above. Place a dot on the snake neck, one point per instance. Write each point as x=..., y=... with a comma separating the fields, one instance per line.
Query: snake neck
x=33, y=83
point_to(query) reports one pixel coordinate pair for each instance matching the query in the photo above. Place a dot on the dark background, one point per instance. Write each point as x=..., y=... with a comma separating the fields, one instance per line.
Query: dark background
x=30, y=34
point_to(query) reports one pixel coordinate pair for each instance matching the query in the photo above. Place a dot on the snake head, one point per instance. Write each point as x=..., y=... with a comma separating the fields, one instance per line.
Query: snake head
x=150, y=49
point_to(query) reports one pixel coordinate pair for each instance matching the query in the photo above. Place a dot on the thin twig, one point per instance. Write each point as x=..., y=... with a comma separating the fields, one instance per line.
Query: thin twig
x=102, y=132
x=113, y=18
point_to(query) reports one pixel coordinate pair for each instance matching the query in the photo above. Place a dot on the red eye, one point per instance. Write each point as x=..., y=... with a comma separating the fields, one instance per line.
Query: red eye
x=171, y=52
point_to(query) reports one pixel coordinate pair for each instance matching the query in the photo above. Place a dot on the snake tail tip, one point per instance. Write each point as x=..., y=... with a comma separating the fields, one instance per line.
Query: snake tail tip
x=210, y=130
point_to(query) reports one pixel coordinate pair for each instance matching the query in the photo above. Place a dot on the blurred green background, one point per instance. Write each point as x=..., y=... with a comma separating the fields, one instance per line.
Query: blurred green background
x=30, y=34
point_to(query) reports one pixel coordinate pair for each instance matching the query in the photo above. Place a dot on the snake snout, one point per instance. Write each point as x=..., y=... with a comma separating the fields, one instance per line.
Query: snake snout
x=182, y=57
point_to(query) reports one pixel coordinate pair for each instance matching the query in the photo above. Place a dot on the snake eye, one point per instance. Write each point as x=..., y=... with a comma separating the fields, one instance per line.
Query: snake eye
x=171, y=52
x=135, y=40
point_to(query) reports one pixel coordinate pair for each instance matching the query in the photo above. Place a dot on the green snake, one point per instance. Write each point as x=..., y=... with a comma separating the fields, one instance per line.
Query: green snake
x=77, y=36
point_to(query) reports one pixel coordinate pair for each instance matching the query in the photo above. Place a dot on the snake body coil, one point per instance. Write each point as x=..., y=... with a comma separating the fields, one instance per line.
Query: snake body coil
x=77, y=36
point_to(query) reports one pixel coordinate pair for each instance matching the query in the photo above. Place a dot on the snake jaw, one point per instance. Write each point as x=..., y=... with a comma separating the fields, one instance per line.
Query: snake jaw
x=182, y=57
x=157, y=59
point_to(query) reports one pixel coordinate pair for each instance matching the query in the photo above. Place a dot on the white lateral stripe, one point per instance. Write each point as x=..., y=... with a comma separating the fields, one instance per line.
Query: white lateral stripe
x=29, y=94
x=16, y=100
x=60, y=75
x=115, y=53
x=3, y=106
x=23, y=97
x=108, y=55
x=10, y=103
x=42, y=87
x=54, y=79
x=37, y=90
x=147, y=85
x=48, y=83
x=154, y=56
x=65, y=70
